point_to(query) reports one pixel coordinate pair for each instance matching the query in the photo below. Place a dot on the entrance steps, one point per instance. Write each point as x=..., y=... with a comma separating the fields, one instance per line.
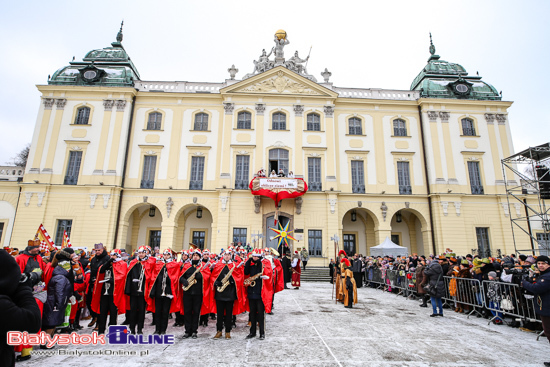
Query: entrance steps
x=315, y=274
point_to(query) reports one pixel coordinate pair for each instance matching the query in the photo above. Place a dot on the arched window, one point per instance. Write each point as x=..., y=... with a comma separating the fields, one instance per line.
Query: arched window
x=355, y=126
x=278, y=159
x=468, y=127
x=82, y=116
x=244, y=120
x=313, y=122
x=399, y=127
x=279, y=121
x=155, y=120
x=201, y=122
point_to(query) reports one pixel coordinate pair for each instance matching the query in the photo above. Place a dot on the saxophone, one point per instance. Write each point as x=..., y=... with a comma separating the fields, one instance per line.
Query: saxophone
x=192, y=281
x=225, y=280
x=251, y=281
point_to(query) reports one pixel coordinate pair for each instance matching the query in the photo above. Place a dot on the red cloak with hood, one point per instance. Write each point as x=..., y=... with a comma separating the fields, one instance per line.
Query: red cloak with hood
x=207, y=294
x=119, y=274
x=279, y=281
x=173, y=269
x=23, y=258
x=148, y=266
x=237, y=276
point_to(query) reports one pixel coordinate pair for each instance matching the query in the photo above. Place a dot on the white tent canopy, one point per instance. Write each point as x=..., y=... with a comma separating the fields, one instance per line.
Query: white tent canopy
x=388, y=248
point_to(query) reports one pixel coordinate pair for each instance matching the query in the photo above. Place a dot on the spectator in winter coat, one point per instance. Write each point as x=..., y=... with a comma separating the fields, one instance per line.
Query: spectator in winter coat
x=18, y=309
x=356, y=269
x=433, y=275
x=60, y=289
x=494, y=296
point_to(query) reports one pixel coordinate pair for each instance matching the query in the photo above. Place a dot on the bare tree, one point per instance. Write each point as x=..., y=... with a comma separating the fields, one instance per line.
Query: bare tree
x=20, y=160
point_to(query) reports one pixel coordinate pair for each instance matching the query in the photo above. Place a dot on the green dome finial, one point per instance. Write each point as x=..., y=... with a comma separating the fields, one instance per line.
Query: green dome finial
x=432, y=47
x=119, y=34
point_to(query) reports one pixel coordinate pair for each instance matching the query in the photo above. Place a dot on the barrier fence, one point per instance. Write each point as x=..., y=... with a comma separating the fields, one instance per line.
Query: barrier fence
x=469, y=296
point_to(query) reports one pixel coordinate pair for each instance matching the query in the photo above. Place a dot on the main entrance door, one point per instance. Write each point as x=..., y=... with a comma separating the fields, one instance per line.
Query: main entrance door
x=269, y=241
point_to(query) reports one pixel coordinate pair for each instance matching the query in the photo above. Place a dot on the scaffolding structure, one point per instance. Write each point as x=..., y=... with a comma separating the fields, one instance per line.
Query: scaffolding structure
x=531, y=194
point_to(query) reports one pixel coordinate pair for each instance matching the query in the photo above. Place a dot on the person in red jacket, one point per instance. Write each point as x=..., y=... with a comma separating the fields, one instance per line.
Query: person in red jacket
x=227, y=278
x=296, y=270
x=108, y=296
x=164, y=285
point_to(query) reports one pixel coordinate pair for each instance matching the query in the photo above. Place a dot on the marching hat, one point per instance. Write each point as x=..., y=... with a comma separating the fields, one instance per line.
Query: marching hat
x=342, y=252
x=142, y=249
x=258, y=252
x=116, y=252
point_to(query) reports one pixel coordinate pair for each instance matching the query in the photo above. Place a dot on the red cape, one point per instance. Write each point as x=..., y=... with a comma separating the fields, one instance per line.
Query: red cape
x=237, y=276
x=207, y=294
x=119, y=272
x=48, y=272
x=279, y=282
x=296, y=274
x=173, y=272
x=148, y=266
x=22, y=260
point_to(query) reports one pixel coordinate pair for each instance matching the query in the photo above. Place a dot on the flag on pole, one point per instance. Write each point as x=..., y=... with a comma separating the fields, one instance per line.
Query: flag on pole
x=66, y=240
x=44, y=237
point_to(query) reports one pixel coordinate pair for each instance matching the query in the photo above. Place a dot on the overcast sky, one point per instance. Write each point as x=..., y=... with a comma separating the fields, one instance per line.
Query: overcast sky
x=365, y=44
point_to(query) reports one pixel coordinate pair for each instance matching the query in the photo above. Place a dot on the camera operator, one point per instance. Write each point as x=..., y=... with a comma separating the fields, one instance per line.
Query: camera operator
x=541, y=289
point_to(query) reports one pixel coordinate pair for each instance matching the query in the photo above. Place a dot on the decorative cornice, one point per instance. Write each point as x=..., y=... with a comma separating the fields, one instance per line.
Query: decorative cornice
x=432, y=115
x=444, y=116
x=298, y=109
x=108, y=104
x=260, y=108
x=48, y=103
x=329, y=111
x=120, y=104
x=490, y=118
x=228, y=107
x=60, y=103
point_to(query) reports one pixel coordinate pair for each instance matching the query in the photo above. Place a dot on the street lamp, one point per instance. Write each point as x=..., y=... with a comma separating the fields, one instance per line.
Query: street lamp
x=398, y=217
x=353, y=216
x=152, y=210
x=199, y=212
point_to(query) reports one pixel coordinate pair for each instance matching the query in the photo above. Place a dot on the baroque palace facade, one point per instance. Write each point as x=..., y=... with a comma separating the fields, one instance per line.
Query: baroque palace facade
x=124, y=161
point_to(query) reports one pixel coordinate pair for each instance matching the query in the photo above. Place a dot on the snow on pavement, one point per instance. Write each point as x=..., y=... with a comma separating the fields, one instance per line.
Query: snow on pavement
x=309, y=329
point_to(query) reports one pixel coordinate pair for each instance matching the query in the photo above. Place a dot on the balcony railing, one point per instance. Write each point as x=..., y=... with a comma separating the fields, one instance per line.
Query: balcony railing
x=315, y=186
x=241, y=185
x=405, y=190
x=477, y=190
x=358, y=189
x=400, y=131
x=467, y=131
x=195, y=185
x=70, y=180
x=147, y=184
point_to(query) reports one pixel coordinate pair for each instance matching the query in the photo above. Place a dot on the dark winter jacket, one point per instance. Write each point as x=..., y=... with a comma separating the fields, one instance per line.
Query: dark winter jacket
x=59, y=291
x=18, y=308
x=541, y=289
x=357, y=265
x=432, y=273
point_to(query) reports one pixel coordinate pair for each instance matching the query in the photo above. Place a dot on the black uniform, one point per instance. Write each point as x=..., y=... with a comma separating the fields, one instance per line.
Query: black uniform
x=257, y=308
x=162, y=303
x=95, y=264
x=106, y=302
x=136, y=314
x=285, y=263
x=192, y=299
x=225, y=301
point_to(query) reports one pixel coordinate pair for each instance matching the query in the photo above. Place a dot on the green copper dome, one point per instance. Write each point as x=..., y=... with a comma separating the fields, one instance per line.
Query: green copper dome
x=443, y=79
x=109, y=66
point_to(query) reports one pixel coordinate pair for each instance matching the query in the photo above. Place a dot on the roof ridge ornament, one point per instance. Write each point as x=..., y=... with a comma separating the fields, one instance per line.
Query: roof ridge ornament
x=119, y=34
x=432, y=47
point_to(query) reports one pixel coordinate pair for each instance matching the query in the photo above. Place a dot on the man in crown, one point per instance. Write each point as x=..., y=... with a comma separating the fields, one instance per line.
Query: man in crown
x=259, y=292
x=195, y=293
x=164, y=283
x=226, y=292
x=108, y=296
x=137, y=285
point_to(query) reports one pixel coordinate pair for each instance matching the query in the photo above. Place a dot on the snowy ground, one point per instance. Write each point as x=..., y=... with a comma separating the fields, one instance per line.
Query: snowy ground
x=309, y=329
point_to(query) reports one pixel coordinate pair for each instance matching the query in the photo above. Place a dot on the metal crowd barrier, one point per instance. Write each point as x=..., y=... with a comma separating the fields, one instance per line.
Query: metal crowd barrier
x=465, y=294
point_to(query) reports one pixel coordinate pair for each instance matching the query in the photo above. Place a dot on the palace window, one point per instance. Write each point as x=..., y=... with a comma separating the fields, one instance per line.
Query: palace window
x=542, y=238
x=73, y=168
x=399, y=127
x=468, y=127
x=62, y=225
x=241, y=172
x=357, y=177
x=313, y=122
x=199, y=239
x=349, y=243
x=149, y=170
x=315, y=242
x=244, y=120
x=82, y=116
x=475, y=178
x=355, y=126
x=314, y=174
x=197, y=173
x=278, y=159
x=154, y=238
x=404, y=178
x=239, y=235
x=154, y=121
x=201, y=122
x=279, y=121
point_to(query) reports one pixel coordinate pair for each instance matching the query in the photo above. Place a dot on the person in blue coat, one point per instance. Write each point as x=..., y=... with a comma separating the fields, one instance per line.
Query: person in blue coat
x=541, y=290
x=60, y=289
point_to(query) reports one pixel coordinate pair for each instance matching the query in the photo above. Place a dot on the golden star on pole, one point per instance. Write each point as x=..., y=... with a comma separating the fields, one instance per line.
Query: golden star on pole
x=283, y=233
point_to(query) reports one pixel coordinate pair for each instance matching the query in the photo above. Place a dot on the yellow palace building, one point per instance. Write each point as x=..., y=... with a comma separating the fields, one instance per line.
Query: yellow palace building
x=125, y=161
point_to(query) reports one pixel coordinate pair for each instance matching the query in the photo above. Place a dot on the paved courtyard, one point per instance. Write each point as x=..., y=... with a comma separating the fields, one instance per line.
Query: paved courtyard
x=308, y=329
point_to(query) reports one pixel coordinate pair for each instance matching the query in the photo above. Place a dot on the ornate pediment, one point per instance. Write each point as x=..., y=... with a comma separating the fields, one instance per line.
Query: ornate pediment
x=279, y=81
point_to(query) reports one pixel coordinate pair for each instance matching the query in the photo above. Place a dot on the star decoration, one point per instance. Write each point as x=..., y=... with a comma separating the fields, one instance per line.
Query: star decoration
x=283, y=234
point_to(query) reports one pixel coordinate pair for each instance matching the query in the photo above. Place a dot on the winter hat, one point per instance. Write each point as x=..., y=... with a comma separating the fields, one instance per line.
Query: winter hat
x=544, y=259
x=62, y=255
x=522, y=257
x=492, y=274
x=465, y=262
x=98, y=246
x=485, y=261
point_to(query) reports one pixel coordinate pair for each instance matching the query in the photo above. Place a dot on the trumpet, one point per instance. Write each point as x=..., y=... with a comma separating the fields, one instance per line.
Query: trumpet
x=106, y=280
x=164, y=282
x=141, y=275
x=225, y=280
